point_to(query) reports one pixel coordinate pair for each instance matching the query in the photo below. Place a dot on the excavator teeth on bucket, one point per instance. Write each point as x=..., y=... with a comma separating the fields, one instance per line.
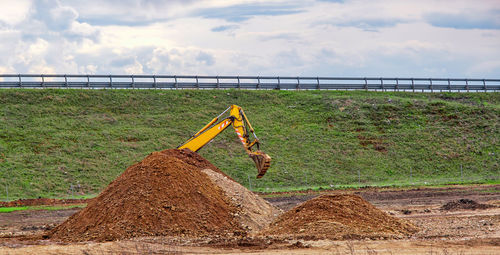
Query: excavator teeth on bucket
x=262, y=162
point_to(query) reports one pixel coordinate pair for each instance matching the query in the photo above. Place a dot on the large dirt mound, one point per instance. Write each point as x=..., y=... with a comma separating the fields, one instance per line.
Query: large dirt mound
x=338, y=217
x=466, y=204
x=165, y=194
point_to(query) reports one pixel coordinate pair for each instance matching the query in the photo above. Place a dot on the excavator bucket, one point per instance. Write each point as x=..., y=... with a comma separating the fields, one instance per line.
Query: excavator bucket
x=262, y=162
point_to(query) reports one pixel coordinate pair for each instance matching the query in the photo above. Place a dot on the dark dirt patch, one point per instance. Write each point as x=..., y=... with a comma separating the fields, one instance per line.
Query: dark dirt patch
x=256, y=243
x=483, y=241
x=436, y=196
x=166, y=194
x=464, y=204
x=377, y=144
x=298, y=245
x=43, y=201
x=338, y=217
x=288, y=202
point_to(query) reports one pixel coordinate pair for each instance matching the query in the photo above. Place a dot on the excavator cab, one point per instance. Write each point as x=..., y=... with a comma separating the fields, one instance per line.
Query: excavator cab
x=238, y=120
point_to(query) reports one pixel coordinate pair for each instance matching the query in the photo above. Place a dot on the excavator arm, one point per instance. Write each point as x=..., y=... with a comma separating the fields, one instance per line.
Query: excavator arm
x=239, y=121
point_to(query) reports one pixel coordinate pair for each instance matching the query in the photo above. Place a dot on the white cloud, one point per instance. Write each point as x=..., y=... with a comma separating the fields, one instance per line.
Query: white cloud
x=83, y=30
x=32, y=52
x=87, y=69
x=14, y=11
x=38, y=48
x=180, y=61
x=134, y=68
x=490, y=66
x=63, y=16
x=6, y=69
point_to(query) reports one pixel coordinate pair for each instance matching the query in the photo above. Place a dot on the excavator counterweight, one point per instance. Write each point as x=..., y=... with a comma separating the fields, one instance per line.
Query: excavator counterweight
x=238, y=120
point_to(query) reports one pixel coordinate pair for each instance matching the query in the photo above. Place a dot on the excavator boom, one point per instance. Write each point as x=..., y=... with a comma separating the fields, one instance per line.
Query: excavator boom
x=238, y=120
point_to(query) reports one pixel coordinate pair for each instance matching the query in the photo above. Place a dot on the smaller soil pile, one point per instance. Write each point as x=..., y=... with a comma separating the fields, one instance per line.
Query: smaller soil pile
x=464, y=204
x=338, y=217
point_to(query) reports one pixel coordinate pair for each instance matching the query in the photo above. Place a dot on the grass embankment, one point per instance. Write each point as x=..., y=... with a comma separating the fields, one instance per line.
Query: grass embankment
x=69, y=142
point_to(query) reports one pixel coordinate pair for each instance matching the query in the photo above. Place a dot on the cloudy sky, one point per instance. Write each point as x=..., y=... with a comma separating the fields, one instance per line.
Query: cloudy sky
x=388, y=38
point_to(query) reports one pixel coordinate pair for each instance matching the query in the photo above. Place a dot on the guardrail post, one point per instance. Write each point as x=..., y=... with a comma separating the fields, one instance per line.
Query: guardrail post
x=317, y=84
x=397, y=84
x=133, y=82
x=66, y=80
x=258, y=82
x=43, y=81
x=176, y=85
x=449, y=85
x=382, y=83
x=484, y=85
x=197, y=82
x=467, y=85
x=20, y=81
x=218, y=85
x=430, y=85
x=366, y=84
x=110, y=81
x=88, y=81
x=239, y=84
x=154, y=81
x=413, y=85
x=298, y=83
x=279, y=83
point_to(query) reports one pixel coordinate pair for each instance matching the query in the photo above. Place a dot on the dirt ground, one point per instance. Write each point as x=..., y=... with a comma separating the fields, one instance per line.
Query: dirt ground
x=460, y=231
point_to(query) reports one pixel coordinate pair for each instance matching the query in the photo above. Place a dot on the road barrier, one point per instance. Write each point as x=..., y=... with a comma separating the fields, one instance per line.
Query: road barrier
x=246, y=82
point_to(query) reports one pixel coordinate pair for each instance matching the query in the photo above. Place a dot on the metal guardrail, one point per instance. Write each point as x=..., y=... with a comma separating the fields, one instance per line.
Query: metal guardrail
x=245, y=82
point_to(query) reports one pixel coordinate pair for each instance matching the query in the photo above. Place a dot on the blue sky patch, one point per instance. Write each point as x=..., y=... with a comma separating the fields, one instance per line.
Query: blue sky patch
x=490, y=20
x=331, y=1
x=224, y=28
x=370, y=24
x=239, y=13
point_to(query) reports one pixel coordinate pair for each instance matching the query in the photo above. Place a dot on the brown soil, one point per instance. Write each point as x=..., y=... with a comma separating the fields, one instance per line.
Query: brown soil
x=442, y=232
x=166, y=194
x=464, y=204
x=42, y=201
x=338, y=217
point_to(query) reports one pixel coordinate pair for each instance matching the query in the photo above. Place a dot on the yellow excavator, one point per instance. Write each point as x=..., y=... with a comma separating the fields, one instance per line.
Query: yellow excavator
x=239, y=121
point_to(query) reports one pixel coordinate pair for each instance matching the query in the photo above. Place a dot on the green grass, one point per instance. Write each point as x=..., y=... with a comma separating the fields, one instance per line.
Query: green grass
x=55, y=139
x=12, y=209
x=40, y=207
